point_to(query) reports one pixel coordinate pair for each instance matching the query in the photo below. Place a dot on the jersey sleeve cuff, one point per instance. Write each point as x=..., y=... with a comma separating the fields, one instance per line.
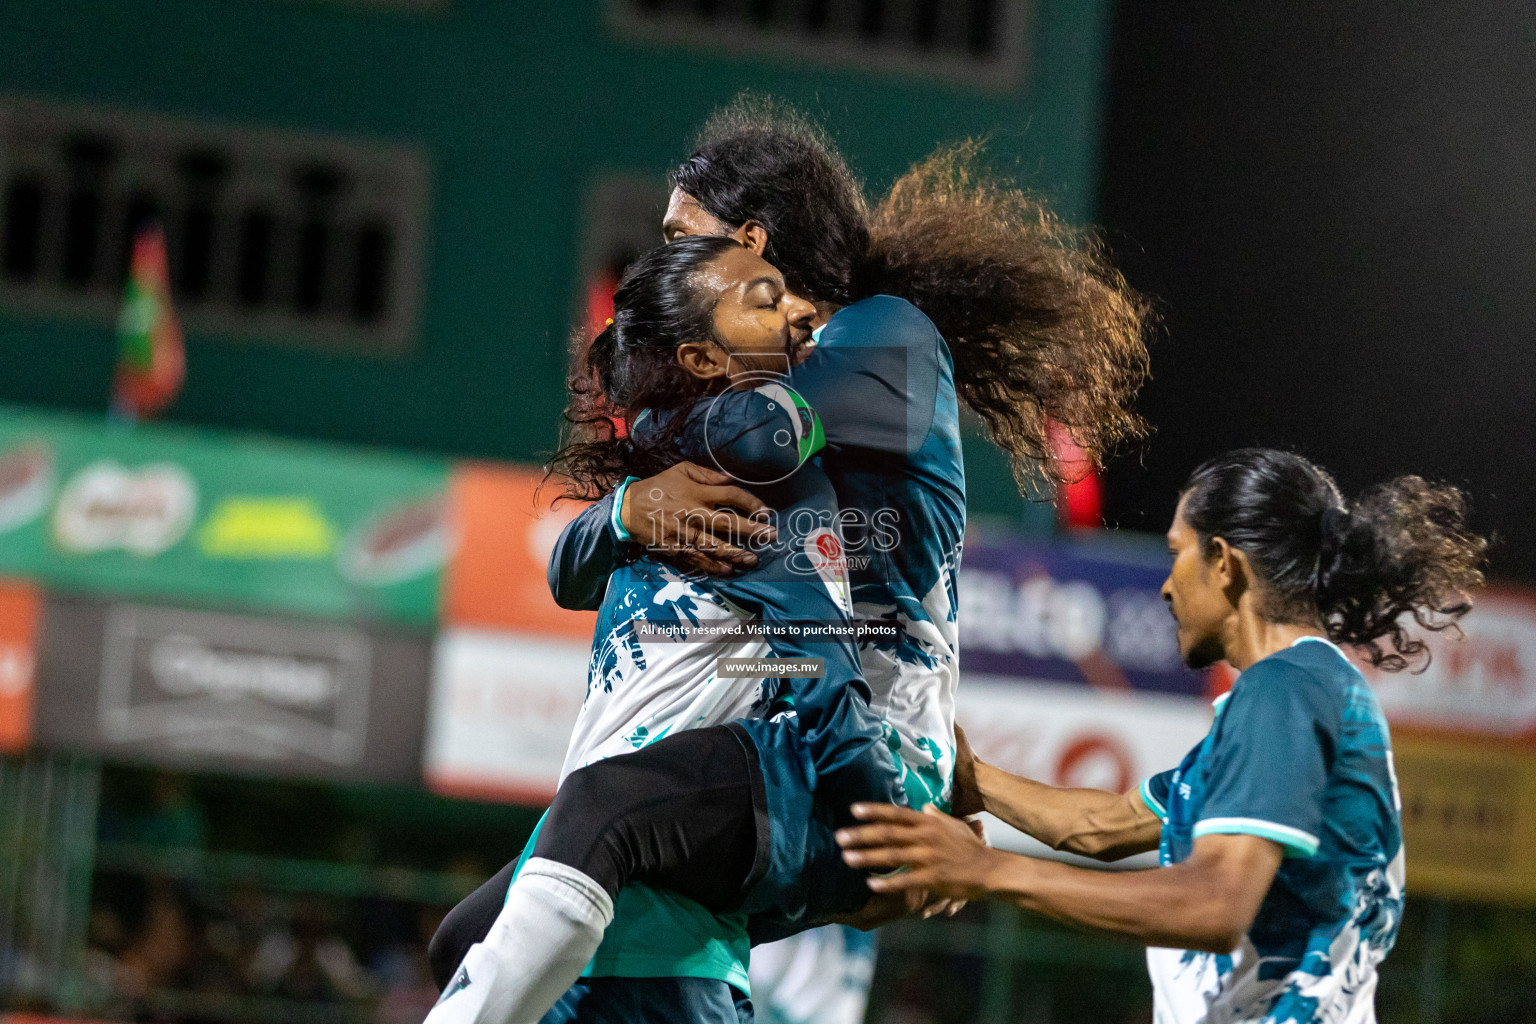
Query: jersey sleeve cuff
x=1151, y=801
x=1297, y=842
x=618, y=505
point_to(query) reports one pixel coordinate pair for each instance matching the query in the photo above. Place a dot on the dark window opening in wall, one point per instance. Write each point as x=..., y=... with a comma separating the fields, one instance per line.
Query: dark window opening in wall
x=90, y=159
x=203, y=175
x=25, y=200
x=871, y=18
x=981, y=36
x=256, y=231
x=978, y=40
x=312, y=240
x=372, y=262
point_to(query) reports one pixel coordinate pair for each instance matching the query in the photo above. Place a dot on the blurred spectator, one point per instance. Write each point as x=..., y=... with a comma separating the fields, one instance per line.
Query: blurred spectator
x=162, y=949
x=306, y=960
x=404, y=972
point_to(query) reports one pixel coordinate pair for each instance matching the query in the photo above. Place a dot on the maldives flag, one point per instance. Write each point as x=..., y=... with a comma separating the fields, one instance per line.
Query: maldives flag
x=151, y=362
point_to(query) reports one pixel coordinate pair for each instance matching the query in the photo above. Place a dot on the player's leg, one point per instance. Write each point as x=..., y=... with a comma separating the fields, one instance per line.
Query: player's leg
x=685, y=813
x=466, y=924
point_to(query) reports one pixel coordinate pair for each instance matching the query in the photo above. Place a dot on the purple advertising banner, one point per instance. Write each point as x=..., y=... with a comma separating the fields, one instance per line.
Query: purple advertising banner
x=1065, y=612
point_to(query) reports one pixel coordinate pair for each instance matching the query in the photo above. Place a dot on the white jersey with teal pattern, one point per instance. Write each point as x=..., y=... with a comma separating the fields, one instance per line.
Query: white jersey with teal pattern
x=638, y=693
x=881, y=384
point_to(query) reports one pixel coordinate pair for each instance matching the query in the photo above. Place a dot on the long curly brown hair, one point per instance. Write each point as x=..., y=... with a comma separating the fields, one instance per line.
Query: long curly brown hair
x=1401, y=555
x=1041, y=326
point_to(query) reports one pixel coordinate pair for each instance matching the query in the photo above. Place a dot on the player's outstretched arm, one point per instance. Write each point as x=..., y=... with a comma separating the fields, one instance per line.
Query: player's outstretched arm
x=1206, y=902
x=1089, y=822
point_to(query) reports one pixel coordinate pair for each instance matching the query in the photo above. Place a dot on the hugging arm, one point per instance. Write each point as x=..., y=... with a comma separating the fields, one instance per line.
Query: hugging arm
x=872, y=381
x=587, y=553
x=687, y=514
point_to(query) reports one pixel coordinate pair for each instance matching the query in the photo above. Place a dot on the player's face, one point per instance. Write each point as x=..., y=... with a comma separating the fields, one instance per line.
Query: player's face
x=759, y=324
x=1195, y=596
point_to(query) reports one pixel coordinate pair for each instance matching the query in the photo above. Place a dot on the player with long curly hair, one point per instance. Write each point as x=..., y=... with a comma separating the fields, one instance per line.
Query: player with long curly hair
x=1281, y=885
x=1028, y=323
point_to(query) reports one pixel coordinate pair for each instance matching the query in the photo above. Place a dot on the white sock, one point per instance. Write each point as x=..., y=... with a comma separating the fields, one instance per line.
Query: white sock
x=543, y=939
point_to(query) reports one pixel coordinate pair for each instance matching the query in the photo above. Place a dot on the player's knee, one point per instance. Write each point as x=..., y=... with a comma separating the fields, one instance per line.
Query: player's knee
x=446, y=951
x=584, y=828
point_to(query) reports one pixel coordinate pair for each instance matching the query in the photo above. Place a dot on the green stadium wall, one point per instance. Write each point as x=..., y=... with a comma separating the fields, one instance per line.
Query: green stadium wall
x=519, y=108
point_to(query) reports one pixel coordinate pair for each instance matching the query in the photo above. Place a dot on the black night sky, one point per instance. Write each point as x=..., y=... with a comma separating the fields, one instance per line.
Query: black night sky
x=1336, y=206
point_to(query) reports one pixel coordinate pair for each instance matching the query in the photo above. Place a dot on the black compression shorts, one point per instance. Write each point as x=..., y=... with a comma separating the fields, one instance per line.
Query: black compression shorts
x=686, y=813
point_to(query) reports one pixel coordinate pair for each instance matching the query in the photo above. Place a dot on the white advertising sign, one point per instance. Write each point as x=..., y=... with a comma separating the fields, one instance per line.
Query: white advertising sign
x=1484, y=683
x=1068, y=735
x=502, y=709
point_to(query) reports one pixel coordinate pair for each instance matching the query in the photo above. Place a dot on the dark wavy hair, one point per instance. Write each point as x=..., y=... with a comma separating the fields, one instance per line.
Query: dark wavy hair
x=632, y=365
x=759, y=159
x=1040, y=325
x=1400, y=552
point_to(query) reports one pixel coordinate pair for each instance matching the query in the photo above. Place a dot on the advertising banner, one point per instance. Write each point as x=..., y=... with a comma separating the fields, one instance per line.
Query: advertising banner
x=507, y=520
x=1469, y=817
x=1480, y=681
x=202, y=689
x=1089, y=614
x=198, y=517
x=20, y=610
x=502, y=710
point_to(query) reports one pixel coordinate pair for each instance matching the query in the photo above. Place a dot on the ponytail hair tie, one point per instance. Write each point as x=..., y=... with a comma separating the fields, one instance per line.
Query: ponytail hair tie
x=1335, y=521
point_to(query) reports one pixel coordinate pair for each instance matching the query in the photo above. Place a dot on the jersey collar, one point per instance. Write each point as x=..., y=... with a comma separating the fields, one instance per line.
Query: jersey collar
x=1222, y=699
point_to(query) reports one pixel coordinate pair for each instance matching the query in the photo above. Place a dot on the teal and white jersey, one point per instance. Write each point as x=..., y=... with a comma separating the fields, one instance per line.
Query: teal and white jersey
x=638, y=693
x=882, y=382
x=1299, y=754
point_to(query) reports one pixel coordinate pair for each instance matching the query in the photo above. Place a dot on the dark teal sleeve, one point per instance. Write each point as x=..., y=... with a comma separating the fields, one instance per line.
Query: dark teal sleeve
x=1155, y=790
x=1269, y=758
x=586, y=554
x=757, y=436
x=873, y=378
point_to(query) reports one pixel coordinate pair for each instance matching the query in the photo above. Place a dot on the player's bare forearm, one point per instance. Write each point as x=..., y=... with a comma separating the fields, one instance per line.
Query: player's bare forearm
x=1090, y=822
x=1207, y=902
x=1193, y=905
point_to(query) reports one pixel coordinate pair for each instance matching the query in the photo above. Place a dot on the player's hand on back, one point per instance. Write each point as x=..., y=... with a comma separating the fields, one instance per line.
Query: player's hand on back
x=696, y=518
x=941, y=854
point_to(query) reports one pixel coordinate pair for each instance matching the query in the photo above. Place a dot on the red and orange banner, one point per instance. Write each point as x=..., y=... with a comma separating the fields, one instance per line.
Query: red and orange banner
x=20, y=618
